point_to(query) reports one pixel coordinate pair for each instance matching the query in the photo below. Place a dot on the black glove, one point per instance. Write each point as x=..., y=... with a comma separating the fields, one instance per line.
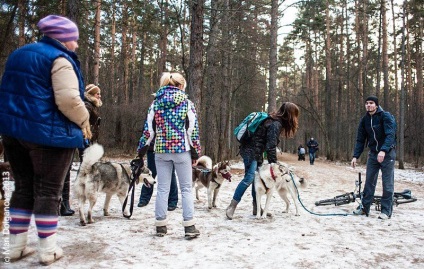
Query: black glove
x=136, y=166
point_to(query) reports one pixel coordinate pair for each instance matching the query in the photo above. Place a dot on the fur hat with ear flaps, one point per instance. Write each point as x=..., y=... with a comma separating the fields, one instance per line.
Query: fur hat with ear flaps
x=90, y=91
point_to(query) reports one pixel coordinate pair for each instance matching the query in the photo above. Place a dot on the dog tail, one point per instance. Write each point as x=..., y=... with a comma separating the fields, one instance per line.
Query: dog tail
x=301, y=182
x=205, y=161
x=92, y=154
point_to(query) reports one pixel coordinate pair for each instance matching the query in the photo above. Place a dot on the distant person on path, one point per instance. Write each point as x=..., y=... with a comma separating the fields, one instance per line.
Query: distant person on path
x=377, y=130
x=42, y=122
x=313, y=148
x=301, y=153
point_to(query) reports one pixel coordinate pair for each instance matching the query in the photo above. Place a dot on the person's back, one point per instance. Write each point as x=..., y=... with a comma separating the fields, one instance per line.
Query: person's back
x=42, y=120
x=37, y=121
x=177, y=145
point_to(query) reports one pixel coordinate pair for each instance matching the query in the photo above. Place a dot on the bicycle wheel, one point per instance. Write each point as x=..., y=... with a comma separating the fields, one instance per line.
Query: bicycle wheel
x=338, y=200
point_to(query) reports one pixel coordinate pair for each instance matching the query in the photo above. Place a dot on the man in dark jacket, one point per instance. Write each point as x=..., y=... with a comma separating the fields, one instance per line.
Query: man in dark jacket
x=313, y=148
x=377, y=129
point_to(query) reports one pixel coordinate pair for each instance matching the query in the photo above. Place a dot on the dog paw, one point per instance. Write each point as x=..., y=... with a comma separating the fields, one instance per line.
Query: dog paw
x=83, y=223
x=90, y=221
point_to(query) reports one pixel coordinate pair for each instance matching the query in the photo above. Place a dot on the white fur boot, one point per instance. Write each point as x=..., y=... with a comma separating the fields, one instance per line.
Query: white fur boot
x=18, y=246
x=49, y=251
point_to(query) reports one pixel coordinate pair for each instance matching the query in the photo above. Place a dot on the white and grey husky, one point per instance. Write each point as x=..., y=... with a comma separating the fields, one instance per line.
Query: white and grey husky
x=108, y=177
x=280, y=177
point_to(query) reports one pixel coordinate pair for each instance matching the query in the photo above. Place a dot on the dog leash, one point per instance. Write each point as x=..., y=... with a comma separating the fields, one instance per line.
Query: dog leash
x=313, y=213
x=136, y=165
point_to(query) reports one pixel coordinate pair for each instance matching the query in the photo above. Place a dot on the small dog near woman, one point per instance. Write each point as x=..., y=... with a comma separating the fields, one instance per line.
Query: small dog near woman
x=204, y=175
x=108, y=177
x=279, y=177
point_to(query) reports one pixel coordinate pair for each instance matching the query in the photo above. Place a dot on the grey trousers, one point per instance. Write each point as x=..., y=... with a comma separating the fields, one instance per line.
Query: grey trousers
x=164, y=164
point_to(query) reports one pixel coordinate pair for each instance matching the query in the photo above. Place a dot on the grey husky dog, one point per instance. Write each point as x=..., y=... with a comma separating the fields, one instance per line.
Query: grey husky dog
x=108, y=177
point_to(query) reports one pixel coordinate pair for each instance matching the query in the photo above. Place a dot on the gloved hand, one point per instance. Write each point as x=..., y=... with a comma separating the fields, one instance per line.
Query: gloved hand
x=86, y=132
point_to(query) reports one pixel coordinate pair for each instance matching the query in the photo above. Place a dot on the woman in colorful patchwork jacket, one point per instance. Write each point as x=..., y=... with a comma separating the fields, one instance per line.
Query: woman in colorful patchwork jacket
x=176, y=145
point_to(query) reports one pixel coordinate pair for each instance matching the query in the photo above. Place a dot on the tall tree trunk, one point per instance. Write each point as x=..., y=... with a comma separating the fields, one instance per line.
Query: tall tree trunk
x=386, y=88
x=163, y=42
x=112, y=77
x=419, y=86
x=195, y=78
x=401, y=151
x=211, y=93
x=133, y=77
x=364, y=34
x=360, y=57
x=96, y=66
x=124, y=53
x=273, y=67
x=395, y=60
x=329, y=98
x=22, y=7
x=224, y=133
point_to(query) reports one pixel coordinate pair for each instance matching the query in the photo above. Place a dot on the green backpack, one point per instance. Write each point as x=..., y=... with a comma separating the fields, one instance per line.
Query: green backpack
x=247, y=128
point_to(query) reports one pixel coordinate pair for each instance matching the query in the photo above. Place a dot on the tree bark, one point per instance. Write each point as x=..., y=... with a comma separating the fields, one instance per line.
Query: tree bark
x=273, y=67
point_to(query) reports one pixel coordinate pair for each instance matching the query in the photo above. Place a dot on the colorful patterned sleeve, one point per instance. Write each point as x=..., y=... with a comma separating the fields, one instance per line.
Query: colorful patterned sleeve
x=193, y=129
x=148, y=132
x=194, y=133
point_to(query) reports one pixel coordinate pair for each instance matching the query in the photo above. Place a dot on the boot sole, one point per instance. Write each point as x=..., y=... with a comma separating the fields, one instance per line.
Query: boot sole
x=191, y=236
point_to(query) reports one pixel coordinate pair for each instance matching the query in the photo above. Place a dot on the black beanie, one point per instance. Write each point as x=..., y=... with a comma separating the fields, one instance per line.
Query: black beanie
x=372, y=98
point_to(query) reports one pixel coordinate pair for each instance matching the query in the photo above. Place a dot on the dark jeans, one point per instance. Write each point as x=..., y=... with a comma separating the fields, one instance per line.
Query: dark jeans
x=146, y=193
x=39, y=172
x=311, y=158
x=67, y=184
x=388, y=176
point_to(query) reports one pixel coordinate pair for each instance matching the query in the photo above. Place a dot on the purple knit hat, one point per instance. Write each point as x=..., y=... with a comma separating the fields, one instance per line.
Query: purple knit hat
x=60, y=28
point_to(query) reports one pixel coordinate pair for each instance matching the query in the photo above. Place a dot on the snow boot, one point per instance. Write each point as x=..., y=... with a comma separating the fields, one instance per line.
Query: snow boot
x=49, y=251
x=161, y=229
x=231, y=208
x=190, y=230
x=18, y=246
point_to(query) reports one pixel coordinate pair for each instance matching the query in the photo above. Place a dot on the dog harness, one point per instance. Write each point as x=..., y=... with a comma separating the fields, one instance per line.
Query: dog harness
x=273, y=177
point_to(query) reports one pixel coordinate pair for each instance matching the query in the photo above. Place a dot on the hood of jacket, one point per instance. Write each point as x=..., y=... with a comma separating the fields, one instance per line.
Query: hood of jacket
x=169, y=97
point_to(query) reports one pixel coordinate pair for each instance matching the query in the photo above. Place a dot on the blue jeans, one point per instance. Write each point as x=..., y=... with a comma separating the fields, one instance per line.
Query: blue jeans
x=387, y=169
x=146, y=193
x=311, y=158
x=250, y=166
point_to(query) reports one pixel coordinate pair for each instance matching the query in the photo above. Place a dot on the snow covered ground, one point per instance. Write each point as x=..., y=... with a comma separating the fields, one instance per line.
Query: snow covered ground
x=312, y=240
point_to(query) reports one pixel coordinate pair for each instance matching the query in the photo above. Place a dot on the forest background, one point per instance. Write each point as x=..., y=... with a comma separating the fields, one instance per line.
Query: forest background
x=237, y=60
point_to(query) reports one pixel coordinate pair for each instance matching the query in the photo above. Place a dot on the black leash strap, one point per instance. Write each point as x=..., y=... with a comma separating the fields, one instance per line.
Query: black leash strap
x=136, y=166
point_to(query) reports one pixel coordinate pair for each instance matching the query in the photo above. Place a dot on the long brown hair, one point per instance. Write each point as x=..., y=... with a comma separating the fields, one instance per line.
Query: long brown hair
x=288, y=115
